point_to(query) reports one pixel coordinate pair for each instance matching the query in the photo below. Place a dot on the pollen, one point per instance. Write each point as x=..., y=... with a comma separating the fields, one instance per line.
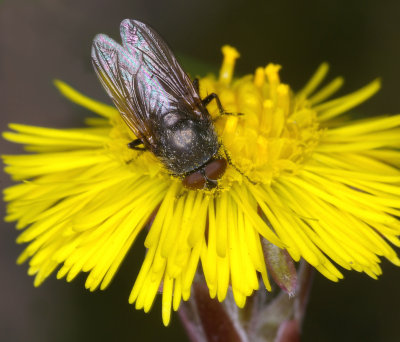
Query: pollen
x=261, y=109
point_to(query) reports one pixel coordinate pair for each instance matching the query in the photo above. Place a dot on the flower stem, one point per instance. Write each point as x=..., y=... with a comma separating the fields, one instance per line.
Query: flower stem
x=267, y=317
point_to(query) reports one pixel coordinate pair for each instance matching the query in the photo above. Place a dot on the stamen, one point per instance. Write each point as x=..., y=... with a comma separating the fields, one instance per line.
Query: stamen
x=231, y=124
x=259, y=77
x=228, y=64
x=271, y=137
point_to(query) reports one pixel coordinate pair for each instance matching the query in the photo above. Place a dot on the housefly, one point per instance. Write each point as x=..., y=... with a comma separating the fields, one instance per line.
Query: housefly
x=160, y=104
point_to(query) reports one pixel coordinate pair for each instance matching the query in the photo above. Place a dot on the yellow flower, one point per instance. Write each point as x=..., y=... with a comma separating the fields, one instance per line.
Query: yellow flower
x=303, y=176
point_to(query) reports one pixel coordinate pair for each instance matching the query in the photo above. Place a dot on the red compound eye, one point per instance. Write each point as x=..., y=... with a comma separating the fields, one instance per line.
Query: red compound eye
x=194, y=181
x=215, y=169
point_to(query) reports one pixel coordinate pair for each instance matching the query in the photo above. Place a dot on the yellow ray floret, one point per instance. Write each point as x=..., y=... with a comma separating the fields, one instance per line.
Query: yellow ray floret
x=326, y=193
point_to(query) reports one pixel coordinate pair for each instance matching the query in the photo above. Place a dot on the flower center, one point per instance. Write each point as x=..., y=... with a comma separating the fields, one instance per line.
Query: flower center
x=266, y=131
x=275, y=133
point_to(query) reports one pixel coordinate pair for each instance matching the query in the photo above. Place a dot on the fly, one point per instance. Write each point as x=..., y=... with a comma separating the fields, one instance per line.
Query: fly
x=160, y=104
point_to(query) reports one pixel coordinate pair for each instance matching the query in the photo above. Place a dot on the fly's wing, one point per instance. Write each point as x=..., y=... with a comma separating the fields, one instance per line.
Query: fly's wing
x=118, y=71
x=144, y=44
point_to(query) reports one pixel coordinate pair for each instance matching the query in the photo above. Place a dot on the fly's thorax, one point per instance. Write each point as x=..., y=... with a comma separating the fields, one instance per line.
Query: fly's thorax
x=185, y=144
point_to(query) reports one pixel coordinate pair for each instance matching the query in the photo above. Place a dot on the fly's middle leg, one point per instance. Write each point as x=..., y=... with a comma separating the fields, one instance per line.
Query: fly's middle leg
x=215, y=97
x=135, y=145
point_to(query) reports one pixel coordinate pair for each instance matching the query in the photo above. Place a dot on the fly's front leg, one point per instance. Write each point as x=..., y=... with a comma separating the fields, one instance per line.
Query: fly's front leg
x=229, y=160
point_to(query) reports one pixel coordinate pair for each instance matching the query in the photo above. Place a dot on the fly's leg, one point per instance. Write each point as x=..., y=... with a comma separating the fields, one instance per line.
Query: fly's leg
x=134, y=145
x=215, y=97
x=229, y=160
x=211, y=97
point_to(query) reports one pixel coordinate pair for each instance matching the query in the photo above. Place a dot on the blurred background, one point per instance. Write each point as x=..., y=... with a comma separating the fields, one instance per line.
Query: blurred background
x=45, y=39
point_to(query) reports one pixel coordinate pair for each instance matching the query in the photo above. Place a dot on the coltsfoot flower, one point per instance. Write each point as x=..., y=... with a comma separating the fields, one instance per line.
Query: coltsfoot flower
x=303, y=176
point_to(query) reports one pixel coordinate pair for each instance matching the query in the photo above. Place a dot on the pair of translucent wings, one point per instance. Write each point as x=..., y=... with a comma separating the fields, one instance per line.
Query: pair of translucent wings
x=143, y=78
